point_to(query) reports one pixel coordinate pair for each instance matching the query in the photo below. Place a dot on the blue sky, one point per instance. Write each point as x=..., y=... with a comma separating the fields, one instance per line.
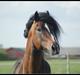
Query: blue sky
x=14, y=15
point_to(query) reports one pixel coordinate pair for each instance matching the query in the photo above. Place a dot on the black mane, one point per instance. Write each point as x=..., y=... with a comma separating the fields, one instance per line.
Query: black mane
x=53, y=25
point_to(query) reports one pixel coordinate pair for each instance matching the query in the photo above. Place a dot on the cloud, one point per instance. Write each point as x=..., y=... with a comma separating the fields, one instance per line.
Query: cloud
x=68, y=6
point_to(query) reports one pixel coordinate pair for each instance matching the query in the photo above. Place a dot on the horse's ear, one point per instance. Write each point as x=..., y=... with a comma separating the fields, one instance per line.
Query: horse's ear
x=48, y=12
x=36, y=16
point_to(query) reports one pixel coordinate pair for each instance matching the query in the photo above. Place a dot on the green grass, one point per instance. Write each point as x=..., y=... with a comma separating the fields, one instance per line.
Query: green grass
x=58, y=66
x=6, y=67
x=75, y=67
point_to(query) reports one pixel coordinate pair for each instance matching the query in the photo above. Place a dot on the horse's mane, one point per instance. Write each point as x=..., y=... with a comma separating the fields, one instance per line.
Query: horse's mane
x=52, y=24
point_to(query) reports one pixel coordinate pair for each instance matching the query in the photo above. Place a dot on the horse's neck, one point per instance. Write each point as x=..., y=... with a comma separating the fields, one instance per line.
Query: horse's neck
x=32, y=60
x=37, y=57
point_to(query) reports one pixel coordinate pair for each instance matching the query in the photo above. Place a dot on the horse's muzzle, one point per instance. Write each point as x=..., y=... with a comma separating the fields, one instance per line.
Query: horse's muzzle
x=55, y=49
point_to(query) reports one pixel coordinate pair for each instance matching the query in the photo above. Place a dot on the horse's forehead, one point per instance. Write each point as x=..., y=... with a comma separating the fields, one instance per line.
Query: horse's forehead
x=33, y=25
x=43, y=26
x=36, y=24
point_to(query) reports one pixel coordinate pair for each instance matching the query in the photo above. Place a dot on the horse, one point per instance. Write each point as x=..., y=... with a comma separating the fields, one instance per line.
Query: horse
x=39, y=39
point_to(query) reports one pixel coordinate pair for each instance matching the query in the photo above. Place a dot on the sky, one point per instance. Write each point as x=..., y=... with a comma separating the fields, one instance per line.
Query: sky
x=15, y=14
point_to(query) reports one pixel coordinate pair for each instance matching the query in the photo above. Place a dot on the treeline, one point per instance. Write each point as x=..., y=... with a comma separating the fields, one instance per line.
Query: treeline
x=3, y=54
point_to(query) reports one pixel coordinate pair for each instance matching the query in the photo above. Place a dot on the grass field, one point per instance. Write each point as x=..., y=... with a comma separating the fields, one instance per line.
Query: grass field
x=58, y=66
x=6, y=67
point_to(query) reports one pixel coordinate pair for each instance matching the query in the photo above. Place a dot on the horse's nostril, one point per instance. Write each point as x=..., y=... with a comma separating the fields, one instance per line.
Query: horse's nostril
x=53, y=48
x=39, y=29
x=57, y=52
